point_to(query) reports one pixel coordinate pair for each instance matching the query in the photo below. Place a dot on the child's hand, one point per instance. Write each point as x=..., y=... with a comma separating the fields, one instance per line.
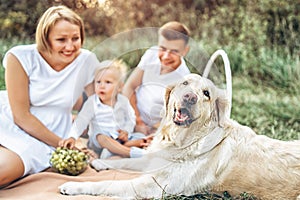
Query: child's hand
x=123, y=135
x=67, y=143
x=147, y=141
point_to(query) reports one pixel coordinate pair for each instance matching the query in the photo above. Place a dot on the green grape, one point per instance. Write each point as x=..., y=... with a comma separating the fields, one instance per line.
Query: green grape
x=67, y=161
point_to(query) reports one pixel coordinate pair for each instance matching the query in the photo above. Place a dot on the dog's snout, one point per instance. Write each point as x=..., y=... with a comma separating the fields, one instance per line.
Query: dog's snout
x=190, y=98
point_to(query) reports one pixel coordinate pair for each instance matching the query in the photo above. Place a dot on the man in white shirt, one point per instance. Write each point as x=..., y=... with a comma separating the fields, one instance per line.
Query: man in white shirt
x=159, y=67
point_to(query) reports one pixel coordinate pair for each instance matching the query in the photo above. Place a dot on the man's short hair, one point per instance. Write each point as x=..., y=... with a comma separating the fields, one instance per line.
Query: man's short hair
x=175, y=31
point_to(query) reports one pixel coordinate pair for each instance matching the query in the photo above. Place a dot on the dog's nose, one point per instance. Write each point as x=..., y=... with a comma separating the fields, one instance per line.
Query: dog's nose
x=190, y=98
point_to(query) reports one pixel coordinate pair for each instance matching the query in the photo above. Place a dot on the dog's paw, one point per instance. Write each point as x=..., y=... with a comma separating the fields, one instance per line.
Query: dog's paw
x=72, y=188
x=98, y=165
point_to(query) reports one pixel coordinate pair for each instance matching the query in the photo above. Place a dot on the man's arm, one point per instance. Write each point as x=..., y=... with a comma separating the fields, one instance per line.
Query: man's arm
x=132, y=83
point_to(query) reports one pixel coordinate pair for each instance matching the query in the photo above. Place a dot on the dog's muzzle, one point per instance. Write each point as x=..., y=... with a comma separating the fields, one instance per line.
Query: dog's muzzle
x=182, y=114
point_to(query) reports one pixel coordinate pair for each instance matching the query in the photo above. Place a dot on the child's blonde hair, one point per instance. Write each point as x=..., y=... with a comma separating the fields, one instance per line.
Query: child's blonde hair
x=118, y=65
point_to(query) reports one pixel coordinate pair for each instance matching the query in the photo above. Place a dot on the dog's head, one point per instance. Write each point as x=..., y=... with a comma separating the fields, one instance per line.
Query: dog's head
x=195, y=98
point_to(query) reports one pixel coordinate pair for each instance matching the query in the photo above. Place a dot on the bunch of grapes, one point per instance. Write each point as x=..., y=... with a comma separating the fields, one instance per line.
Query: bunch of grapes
x=68, y=161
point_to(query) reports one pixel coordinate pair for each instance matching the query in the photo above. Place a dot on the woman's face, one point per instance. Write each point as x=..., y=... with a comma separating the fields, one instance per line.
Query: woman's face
x=65, y=41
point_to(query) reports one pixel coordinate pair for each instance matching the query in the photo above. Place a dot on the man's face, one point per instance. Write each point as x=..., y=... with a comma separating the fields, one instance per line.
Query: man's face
x=170, y=52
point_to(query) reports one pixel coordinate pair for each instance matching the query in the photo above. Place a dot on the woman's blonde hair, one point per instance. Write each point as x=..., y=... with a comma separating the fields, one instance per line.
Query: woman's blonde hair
x=49, y=19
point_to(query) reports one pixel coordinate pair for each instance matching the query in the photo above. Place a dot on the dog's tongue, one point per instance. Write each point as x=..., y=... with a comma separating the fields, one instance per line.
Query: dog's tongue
x=181, y=117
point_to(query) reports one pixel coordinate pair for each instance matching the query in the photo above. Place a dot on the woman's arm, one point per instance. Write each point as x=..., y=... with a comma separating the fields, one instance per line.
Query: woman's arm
x=88, y=91
x=17, y=85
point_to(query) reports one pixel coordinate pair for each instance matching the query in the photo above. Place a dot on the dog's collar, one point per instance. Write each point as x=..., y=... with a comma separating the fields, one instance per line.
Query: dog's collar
x=208, y=142
x=211, y=140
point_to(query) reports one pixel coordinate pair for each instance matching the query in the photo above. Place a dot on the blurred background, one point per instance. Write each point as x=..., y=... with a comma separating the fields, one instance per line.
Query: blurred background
x=261, y=38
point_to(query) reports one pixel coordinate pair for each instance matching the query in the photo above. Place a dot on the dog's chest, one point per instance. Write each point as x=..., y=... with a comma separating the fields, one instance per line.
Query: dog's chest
x=191, y=172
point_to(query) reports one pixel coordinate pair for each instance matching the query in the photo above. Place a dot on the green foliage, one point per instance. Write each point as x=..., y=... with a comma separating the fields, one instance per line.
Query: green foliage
x=277, y=71
x=253, y=23
x=268, y=110
x=267, y=67
x=2, y=84
x=5, y=45
x=19, y=17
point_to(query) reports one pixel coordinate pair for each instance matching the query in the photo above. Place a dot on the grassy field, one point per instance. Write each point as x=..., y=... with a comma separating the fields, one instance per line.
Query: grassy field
x=269, y=111
x=266, y=95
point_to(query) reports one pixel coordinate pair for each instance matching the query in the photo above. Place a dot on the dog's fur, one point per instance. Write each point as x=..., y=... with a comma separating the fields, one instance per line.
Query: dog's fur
x=197, y=149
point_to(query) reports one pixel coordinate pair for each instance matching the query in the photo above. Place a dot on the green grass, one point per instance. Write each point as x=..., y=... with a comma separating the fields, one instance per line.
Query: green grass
x=210, y=196
x=269, y=111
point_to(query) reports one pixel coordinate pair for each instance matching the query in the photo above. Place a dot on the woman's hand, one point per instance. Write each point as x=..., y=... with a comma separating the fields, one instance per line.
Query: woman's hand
x=67, y=143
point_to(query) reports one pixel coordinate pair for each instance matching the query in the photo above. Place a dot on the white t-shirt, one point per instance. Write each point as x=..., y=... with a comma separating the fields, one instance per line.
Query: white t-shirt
x=52, y=95
x=104, y=119
x=150, y=95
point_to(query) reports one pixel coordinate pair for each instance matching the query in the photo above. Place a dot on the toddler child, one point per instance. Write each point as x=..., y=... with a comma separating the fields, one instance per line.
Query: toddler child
x=109, y=115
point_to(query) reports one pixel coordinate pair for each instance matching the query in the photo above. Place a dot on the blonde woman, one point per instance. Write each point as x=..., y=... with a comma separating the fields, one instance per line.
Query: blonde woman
x=43, y=81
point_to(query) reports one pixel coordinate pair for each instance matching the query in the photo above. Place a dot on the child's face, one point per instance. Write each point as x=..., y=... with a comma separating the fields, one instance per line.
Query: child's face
x=171, y=51
x=107, y=86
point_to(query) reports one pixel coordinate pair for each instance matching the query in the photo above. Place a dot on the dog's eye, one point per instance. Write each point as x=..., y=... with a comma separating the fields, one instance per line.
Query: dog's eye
x=206, y=93
x=185, y=83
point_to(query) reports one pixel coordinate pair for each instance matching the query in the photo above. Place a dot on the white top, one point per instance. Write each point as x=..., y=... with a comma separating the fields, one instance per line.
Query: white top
x=150, y=95
x=52, y=96
x=104, y=119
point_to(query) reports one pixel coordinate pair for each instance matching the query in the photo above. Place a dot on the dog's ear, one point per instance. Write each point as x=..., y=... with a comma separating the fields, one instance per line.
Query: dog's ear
x=222, y=107
x=167, y=98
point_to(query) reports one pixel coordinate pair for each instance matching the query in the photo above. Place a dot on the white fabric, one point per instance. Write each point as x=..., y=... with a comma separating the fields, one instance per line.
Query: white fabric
x=136, y=152
x=104, y=119
x=52, y=96
x=150, y=95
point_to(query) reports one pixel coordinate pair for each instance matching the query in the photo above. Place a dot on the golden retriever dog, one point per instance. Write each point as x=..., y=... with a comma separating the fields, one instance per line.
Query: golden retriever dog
x=197, y=148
